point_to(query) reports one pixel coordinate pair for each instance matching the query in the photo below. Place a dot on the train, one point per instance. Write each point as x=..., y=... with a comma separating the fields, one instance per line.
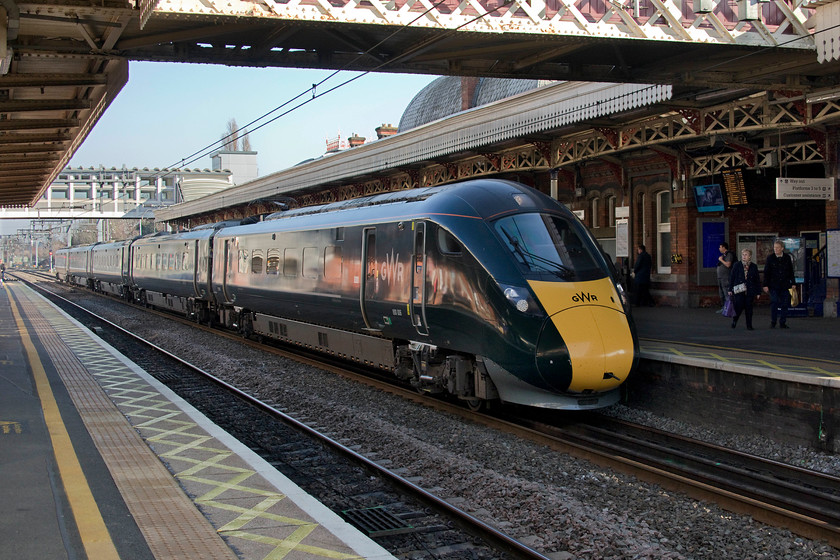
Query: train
x=487, y=291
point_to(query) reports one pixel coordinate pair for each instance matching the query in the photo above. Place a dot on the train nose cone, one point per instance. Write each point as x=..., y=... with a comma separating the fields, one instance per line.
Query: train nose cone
x=586, y=343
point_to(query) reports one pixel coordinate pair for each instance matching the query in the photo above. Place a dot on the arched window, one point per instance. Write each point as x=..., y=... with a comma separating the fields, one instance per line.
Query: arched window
x=611, y=211
x=595, y=221
x=663, y=232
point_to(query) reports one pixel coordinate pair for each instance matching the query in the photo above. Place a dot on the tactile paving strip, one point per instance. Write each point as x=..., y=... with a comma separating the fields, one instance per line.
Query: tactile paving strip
x=256, y=520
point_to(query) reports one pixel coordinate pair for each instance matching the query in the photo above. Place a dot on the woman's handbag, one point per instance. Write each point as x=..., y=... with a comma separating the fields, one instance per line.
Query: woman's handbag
x=728, y=308
x=794, y=297
x=739, y=288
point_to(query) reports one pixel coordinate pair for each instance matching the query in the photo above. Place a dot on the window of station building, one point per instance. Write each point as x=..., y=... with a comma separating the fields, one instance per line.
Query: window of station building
x=257, y=261
x=311, y=258
x=332, y=263
x=290, y=262
x=272, y=263
x=593, y=208
x=59, y=194
x=663, y=232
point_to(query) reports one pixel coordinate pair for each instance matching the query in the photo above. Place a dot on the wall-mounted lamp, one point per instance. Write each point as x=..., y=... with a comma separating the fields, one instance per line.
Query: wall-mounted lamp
x=579, y=192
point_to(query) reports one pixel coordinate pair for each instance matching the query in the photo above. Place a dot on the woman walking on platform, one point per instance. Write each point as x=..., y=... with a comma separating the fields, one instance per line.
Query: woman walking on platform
x=744, y=287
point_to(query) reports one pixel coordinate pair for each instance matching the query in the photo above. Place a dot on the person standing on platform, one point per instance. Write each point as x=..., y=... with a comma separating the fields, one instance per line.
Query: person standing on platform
x=641, y=277
x=778, y=279
x=724, y=270
x=2, y=272
x=744, y=287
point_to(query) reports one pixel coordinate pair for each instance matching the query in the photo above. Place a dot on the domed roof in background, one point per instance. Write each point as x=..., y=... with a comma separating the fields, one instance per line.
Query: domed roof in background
x=445, y=96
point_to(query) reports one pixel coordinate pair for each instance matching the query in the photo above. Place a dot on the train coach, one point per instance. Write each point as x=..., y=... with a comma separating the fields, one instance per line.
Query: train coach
x=486, y=290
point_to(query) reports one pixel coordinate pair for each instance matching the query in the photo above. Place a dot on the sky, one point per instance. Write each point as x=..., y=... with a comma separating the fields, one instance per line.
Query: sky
x=169, y=111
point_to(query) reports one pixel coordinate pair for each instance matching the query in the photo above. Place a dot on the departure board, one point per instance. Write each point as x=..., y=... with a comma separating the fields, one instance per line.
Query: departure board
x=733, y=182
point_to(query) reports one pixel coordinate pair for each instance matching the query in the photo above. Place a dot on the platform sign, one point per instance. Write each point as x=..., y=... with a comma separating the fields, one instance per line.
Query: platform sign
x=832, y=253
x=792, y=188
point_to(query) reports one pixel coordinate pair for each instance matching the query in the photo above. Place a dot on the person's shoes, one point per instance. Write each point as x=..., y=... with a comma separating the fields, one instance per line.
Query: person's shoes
x=783, y=326
x=733, y=324
x=719, y=311
x=750, y=329
x=772, y=325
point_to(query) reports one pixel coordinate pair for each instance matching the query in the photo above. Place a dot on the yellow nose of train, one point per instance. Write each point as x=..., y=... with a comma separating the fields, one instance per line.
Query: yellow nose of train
x=586, y=344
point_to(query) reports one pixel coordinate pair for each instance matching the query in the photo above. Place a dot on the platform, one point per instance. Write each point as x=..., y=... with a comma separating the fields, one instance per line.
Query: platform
x=808, y=351
x=99, y=460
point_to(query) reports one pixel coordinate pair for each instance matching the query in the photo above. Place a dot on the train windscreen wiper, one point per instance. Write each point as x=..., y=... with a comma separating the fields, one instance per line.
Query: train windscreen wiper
x=543, y=263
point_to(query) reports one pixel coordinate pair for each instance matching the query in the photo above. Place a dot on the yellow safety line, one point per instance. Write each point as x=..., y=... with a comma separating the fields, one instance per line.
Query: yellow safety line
x=92, y=530
x=739, y=350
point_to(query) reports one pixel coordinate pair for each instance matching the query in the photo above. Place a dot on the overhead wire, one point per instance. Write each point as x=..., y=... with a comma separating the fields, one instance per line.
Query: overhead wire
x=313, y=90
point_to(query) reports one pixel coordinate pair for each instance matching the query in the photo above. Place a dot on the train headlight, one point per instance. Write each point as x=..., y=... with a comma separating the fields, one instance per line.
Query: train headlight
x=519, y=298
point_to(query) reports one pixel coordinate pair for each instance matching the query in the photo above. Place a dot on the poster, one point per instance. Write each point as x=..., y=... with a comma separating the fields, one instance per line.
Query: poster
x=622, y=248
x=832, y=253
x=713, y=236
x=761, y=245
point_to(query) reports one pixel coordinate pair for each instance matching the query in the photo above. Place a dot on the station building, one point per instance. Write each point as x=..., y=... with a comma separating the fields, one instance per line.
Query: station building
x=639, y=164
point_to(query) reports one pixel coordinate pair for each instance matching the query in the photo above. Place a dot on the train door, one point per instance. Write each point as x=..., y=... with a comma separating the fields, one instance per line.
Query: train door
x=417, y=303
x=367, y=288
x=196, y=279
x=227, y=268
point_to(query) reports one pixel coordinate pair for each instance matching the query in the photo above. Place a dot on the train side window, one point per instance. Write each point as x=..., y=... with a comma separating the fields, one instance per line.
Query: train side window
x=311, y=258
x=157, y=261
x=332, y=263
x=339, y=234
x=243, y=262
x=290, y=262
x=256, y=262
x=186, y=260
x=272, y=264
x=448, y=244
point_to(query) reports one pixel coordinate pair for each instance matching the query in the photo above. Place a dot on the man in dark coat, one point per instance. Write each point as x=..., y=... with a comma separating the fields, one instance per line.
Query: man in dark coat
x=778, y=279
x=641, y=277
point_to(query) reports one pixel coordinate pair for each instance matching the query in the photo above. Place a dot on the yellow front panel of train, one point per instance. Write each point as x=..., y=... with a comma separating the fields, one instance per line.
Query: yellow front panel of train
x=595, y=329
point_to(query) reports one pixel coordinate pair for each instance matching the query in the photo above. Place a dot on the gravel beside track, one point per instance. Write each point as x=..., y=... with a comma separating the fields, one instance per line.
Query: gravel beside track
x=564, y=507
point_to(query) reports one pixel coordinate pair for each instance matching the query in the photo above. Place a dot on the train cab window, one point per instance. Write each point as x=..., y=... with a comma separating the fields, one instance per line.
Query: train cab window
x=272, y=263
x=550, y=246
x=256, y=262
x=290, y=262
x=447, y=243
x=311, y=256
x=332, y=263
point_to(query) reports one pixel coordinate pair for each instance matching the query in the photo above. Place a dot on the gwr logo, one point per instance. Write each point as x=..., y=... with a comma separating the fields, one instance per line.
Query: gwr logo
x=8, y=427
x=584, y=297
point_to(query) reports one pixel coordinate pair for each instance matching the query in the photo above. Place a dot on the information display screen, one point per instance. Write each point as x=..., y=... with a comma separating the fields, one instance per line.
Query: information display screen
x=736, y=192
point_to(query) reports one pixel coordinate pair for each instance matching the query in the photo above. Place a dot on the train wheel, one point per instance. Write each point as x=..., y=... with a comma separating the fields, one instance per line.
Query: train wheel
x=475, y=405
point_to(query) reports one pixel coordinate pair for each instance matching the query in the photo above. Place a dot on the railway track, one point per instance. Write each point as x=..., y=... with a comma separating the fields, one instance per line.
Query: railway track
x=803, y=501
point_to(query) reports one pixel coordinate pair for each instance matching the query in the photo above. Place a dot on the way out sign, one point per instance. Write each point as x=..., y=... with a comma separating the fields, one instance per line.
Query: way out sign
x=790, y=188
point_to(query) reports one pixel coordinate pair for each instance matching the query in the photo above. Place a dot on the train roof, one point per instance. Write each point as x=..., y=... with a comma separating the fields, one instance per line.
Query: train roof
x=486, y=198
